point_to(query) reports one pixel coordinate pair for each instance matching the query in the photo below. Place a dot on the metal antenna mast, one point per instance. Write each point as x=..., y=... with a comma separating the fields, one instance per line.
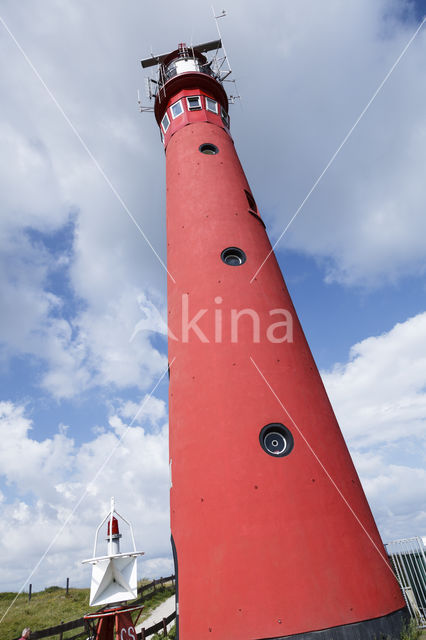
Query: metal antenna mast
x=225, y=58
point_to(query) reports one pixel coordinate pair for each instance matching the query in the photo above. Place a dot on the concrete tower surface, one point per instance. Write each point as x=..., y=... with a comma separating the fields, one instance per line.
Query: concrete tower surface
x=271, y=531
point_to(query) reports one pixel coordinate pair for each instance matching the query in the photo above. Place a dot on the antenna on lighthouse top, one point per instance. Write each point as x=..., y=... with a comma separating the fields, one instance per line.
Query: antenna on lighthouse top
x=114, y=576
x=225, y=58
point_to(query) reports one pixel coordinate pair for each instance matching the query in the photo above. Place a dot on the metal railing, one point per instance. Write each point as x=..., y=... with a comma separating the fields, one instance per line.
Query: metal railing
x=409, y=563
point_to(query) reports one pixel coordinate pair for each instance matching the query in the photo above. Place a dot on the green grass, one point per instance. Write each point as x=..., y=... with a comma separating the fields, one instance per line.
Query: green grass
x=52, y=606
x=46, y=609
x=411, y=632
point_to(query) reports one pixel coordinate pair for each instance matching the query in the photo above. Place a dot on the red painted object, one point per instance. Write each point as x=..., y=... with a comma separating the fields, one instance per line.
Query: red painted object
x=272, y=532
x=115, y=530
x=115, y=623
x=124, y=628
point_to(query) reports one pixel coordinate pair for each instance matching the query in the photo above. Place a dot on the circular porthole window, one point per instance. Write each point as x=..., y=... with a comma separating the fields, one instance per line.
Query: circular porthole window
x=233, y=256
x=209, y=149
x=276, y=440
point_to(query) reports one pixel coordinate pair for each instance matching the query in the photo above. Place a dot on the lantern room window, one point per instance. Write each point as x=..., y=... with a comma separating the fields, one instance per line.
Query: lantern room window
x=165, y=123
x=194, y=103
x=176, y=109
x=211, y=105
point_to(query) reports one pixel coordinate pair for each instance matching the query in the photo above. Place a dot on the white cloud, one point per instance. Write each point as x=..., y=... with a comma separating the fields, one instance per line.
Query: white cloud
x=113, y=356
x=30, y=191
x=150, y=408
x=96, y=350
x=21, y=457
x=380, y=392
x=396, y=492
x=22, y=276
x=92, y=348
x=379, y=397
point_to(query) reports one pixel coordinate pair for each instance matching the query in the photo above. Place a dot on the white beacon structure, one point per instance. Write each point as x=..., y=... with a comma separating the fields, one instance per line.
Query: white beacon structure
x=114, y=575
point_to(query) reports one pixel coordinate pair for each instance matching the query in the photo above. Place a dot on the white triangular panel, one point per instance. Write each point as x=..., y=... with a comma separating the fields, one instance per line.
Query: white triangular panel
x=113, y=580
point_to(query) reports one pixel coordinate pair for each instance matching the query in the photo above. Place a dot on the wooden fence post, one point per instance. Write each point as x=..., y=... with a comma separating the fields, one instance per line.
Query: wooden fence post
x=30, y=589
x=165, y=627
x=143, y=633
x=61, y=632
x=68, y=586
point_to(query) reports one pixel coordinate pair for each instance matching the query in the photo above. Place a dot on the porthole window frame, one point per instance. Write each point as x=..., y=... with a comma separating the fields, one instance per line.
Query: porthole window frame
x=215, y=105
x=165, y=117
x=281, y=429
x=178, y=102
x=231, y=252
x=191, y=108
x=208, y=148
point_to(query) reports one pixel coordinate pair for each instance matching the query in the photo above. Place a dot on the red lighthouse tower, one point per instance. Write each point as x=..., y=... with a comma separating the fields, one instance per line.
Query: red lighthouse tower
x=271, y=531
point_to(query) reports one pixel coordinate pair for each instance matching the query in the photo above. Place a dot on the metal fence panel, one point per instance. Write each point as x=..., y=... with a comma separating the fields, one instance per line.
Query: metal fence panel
x=409, y=562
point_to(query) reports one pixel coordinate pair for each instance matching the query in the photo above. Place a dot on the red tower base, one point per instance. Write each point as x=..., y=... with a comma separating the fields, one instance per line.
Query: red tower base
x=388, y=627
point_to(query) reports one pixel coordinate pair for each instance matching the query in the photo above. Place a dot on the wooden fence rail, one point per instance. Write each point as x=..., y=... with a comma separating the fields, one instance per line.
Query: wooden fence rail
x=159, y=626
x=60, y=629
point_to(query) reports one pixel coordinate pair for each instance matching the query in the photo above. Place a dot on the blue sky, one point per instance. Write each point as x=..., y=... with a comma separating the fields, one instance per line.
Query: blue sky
x=77, y=278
